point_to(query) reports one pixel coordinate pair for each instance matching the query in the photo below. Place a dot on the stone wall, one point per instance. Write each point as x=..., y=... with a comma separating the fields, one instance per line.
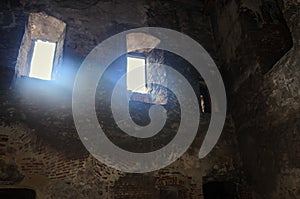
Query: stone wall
x=265, y=102
x=251, y=37
x=91, y=21
x=30, y=162
x=40, y=148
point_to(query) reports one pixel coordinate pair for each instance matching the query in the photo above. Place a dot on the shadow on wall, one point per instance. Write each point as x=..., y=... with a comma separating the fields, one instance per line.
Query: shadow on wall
x=220, y=190
x=17, y=194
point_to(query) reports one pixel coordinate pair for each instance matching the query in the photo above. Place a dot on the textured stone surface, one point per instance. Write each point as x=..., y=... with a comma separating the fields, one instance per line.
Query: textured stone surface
x=39, y=146
x=266, y=105
x=40, y=27
x=42, y=142
x=53, y=174
x=251, y=35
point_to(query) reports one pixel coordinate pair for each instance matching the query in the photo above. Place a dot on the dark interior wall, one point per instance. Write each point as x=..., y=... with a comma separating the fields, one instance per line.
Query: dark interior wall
x=255, y=40
x=251, y=37
x=38, y=141
x=88, y=23
x=40, y=148
x=31, y=162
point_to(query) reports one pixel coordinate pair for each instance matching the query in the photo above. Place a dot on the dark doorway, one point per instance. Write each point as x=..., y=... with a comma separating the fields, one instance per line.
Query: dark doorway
x=220, y=190
x=17, y=194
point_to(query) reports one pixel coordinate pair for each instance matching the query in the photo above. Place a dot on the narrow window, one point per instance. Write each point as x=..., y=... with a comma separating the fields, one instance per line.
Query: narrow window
x=42, y=60
x=136, y=74
x=41, y=51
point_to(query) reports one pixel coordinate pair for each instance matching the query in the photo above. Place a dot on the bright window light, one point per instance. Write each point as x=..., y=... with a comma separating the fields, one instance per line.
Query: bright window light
x=42, y=60
x=136, y=74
